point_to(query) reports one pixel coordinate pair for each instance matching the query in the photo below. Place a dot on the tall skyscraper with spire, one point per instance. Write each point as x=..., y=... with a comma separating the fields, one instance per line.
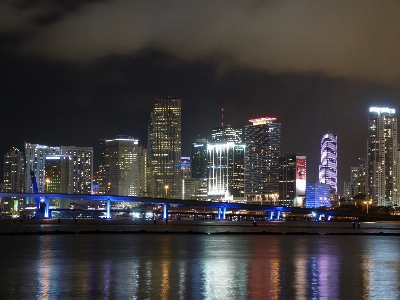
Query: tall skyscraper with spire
x=382, y=160
x=225, y=156
x=164, y=148
x=328, y=166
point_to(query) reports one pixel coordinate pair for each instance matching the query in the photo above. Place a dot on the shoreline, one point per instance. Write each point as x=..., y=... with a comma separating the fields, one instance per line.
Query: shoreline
x=190, y=232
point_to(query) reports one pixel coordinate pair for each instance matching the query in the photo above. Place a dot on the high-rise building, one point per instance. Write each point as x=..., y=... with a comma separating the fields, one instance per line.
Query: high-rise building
x=198, y=158
x=185, y=167
x=357, y=184
x=292, y=180
x=263, y=144
x=227, y=134
x=119, y=171
x=14, y=171
x=57, y=170
x=382, y=161
x=226, y=171
x=80, y=171
x=164, y=149
x=81, y=174
x=142, y=160
x=35, y=162
x=328, y=166
x=14, y=179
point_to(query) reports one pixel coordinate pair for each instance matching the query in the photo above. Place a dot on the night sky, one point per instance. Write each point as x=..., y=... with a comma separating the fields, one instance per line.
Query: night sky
x=73, y=72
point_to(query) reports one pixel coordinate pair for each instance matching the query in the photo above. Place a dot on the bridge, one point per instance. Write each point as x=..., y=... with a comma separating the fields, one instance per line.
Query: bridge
x=273, y=212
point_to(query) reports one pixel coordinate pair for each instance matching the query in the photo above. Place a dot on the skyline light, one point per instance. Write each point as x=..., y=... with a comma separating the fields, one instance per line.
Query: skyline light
x=68, y=78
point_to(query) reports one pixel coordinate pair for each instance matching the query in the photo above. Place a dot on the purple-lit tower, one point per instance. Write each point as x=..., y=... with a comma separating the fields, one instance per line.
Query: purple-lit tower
x=328, y=166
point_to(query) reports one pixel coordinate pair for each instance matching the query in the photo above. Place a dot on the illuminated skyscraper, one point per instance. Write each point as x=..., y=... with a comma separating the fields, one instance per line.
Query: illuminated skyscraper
x=81, y=175
x=382, y=161
x=35, y=161
x=119, y=169
x=198, y=158
x=57, y=170
x=263, y=144
x=164, y=149
x=328, y=166
x=226, y=171
x=227, y=134
x=13, y=178
x=292, y=180
x=80, y=172
x=14, y=171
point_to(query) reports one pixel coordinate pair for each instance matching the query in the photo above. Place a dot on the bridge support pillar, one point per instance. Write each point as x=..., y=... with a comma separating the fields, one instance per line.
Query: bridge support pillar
x=219, y=213
x=46, y=208
x=329, y=217
x=224, y=213
x=278, y=214
x=165, y=211
x=108, y=207
x=271, y=215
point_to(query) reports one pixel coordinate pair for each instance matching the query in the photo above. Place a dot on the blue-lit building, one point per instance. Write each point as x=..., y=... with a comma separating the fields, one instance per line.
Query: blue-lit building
x=328, y=166
x=317, y=195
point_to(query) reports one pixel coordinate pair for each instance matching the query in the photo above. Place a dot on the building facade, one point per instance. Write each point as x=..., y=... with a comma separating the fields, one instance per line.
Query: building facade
x=357, y=184
x=80, y=170
x=292, y=180
x=194, y=189
x=35, y=162
x=164, y=149
x=119, y=168
x=227, y=134
x=198, y=158
x=81, y=174
x=13, y=179
x=328, y=166
x=382, y=160
x=263, y=144
x=318, y=195
x=226, y=171
x=14, y=171
x=57, y=171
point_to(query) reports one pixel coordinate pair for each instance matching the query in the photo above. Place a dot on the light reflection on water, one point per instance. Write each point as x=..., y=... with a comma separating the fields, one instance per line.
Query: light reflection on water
x=154, y=266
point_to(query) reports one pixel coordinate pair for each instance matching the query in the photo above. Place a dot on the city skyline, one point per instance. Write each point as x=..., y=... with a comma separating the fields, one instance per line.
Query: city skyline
x=69, y=78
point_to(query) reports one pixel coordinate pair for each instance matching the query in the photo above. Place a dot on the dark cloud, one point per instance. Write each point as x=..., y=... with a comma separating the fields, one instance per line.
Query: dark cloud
x=350, y=39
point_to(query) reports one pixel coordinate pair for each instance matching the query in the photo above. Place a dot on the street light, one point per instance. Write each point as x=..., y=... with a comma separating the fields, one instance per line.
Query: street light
x=365, y=202
x=166, y=190
x=47, y=184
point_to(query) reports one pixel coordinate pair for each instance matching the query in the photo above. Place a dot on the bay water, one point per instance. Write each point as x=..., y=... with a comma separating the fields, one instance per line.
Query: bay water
x=202, y=262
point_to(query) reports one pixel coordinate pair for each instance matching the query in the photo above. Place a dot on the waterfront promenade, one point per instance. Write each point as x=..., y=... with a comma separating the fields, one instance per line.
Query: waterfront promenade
x=60, y=226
